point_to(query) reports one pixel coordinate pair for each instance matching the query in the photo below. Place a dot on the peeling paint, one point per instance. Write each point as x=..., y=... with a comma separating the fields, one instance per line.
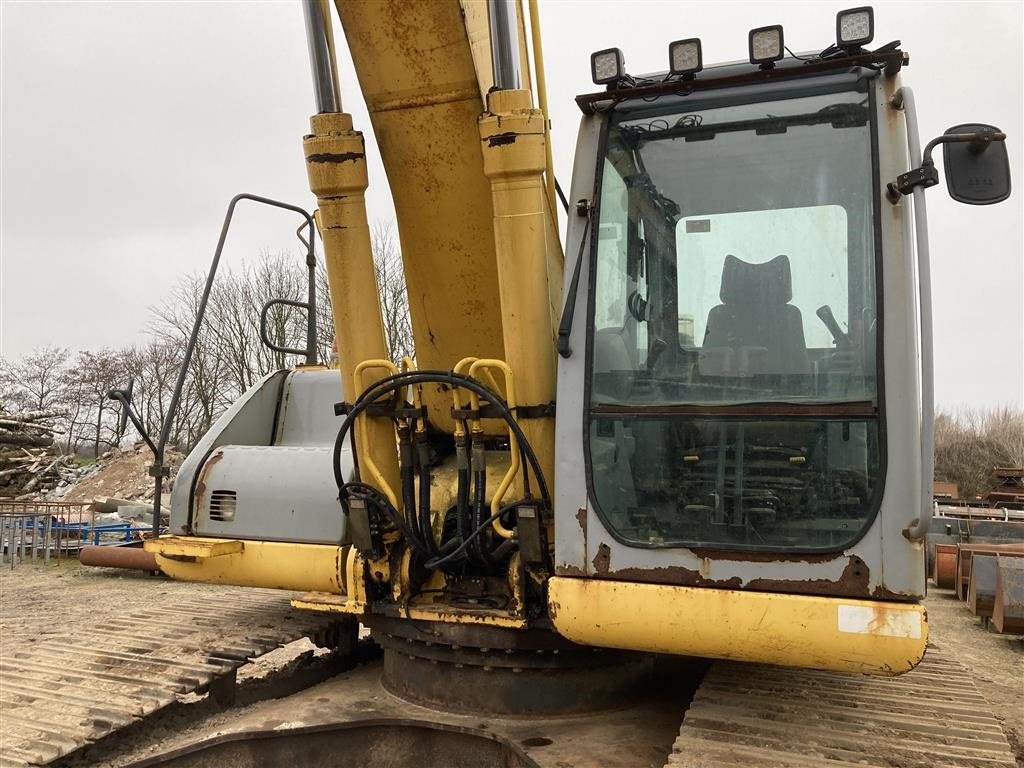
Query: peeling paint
x=335, y=157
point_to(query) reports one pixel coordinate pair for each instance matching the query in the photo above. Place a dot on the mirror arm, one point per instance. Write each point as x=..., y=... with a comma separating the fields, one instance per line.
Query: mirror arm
x=927, y=175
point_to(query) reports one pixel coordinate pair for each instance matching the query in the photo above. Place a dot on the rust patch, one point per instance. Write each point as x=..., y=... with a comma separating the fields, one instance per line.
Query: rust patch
x=765, y=557
x=581, y=518
x=852, y=583
x=201, y=480
x=675, y=575
x=882, y=592
x=602, y=560
x=569, y=570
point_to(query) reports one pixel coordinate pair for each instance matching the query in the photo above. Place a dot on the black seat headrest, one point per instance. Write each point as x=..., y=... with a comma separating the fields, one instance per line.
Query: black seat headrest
x=767, y=283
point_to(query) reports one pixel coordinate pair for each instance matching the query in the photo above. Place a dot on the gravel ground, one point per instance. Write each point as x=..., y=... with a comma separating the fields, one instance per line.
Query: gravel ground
x=38, y=600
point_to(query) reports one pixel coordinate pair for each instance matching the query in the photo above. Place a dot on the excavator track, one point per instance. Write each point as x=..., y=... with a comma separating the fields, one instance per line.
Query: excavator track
x=773, y=717
x=69, y=689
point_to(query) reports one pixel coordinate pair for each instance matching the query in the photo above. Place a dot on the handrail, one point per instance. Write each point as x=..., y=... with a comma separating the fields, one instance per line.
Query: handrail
x=918, y=528
x=157, y=470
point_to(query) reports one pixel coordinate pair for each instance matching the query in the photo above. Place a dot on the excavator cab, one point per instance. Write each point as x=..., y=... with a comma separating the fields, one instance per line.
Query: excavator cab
x=747, y=385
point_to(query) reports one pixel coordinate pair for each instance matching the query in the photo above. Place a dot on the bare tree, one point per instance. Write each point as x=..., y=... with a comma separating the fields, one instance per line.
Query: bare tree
x=969, y=444
x=35, y=381
x=99, y=372
x=229, y=356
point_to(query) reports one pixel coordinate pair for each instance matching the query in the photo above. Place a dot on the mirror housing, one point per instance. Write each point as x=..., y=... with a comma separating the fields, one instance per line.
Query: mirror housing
x=977, y=166
x=977, y=171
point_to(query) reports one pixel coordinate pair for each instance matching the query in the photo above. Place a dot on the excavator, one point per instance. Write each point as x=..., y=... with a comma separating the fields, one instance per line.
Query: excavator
x=702, y=430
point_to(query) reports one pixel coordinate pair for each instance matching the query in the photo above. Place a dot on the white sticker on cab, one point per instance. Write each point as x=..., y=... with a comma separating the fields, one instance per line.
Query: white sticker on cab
x=879, y=620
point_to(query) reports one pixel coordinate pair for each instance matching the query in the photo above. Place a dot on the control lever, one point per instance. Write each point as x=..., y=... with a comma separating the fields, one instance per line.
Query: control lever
x=824, y=314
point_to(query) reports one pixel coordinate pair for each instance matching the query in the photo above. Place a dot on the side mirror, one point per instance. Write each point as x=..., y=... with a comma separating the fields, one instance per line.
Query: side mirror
x=977, y=166
x=977, y=171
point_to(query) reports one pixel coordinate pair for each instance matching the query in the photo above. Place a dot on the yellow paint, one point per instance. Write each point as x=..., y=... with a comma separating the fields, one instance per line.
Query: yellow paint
x=449, y=615
x=789, y=630
x=416, y=72
x=365, y=429
x=513, y=443
x=513, y=143
x=272, y=564
x=355, y=580
x=193, y=546
x=336, y=166
x=322, y=602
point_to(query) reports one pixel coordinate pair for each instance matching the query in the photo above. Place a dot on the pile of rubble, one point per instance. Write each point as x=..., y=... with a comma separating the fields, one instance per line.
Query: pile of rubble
x=122, y=474
x=29, y=462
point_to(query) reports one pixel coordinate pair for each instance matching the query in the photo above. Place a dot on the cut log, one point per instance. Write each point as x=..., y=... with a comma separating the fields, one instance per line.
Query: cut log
x=10, y=438
x=40, y=476
x=14, y=424
x=34, y=415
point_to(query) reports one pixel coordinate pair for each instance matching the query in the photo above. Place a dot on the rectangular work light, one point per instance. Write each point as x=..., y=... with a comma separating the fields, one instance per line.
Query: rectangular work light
x=765, y=44
x=607, y=66
x=684, y=57
x=855, y=27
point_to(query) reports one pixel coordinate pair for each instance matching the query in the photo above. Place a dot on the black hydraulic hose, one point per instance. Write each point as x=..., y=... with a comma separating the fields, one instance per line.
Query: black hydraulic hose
x=408, y=476
x=463, y=523
x=425, y=527
x=381, y=501
x=436, y=563
x=397, y=381
x=478, y=552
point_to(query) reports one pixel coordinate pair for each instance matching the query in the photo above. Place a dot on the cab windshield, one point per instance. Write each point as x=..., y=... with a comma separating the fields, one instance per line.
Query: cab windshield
x=734, y=366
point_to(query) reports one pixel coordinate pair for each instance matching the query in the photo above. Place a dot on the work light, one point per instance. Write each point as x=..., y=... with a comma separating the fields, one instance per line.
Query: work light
x=607, y=66
x=765, y=45
x=684, y=57
x=855, y=27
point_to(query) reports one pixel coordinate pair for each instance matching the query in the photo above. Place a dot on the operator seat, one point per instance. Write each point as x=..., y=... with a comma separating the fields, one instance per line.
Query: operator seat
x=755, y=331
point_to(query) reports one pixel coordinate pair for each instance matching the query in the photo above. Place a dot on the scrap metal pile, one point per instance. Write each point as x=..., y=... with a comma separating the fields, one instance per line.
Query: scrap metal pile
x=29, y=462
x=979, y=552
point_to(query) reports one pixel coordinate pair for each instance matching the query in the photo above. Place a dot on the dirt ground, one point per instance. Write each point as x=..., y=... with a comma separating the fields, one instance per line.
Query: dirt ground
x=996, y=661
x=39, y=600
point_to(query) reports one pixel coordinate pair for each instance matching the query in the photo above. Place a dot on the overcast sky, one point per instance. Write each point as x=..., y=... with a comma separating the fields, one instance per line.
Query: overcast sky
x=127, y=127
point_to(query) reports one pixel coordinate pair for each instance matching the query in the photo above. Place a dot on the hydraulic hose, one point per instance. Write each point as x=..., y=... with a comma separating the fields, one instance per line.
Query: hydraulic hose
x=408, y=476
x=462, y=512
x=425, y=527
x=420, y=528
x=397, y=381
x=478, y=551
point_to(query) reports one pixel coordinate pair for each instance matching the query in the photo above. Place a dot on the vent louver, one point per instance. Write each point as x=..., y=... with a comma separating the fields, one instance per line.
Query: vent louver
x=223, y=505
